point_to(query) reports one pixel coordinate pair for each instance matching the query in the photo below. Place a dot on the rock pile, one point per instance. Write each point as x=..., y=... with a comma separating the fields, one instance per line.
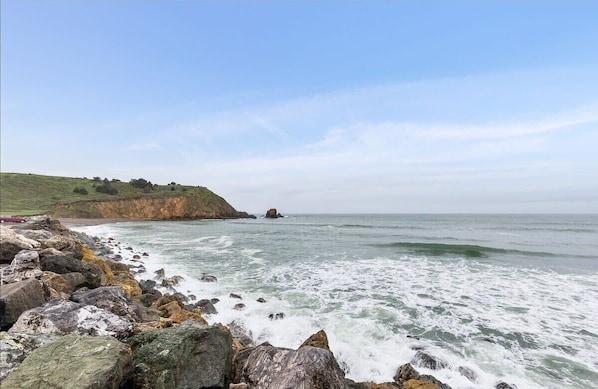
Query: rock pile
x=73, y=318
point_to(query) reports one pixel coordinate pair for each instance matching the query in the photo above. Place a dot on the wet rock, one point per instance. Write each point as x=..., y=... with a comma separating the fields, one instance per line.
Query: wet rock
x=319, y=339
x=240, y=334
x=19, y=297
x=136, y=256
x=261, y=300
x=159, y=274
x=170, y=358
x=405, y=373
x=272, y=213
x=147, y=285
x=74, y=362
x=504, y=385
x=266, y=366
x=235, y=296
x=208, y=278
x=62, y=317
x=203, y=306
x=420, y=384
x=147, y=299
x=14, y=348
x=181, y=297
x=110, y=298
x=468, y=373
x=425, y=360
x=145, y=255
x=276, y=316
x=11, y=243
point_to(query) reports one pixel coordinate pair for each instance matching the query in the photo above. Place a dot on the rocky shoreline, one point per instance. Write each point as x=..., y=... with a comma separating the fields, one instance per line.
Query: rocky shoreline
x=76, y=312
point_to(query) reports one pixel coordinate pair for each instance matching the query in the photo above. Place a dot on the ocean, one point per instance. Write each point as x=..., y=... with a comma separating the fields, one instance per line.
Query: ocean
x=510, y=298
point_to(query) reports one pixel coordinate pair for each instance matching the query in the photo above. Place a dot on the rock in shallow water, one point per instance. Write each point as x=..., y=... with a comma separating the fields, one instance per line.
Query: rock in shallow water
x=73, y=362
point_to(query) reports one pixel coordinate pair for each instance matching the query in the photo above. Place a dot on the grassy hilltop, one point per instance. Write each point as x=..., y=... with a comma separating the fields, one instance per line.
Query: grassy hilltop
x=32, y=194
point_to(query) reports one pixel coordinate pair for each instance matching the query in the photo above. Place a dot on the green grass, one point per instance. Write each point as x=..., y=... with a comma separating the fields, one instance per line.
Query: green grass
x=32, y=194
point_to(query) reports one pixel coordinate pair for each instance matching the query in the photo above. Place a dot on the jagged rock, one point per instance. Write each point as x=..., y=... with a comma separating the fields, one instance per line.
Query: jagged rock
x=240, y=334
x=239, y=306
x=261, y=300
x=235, y=296
x=34, y=234
x=62, y=264
x=203, y=306
x=59, y=242
x=74, y=280
x=172, y=281
x=73, y=362
x=208, y=278
x=110, y=298
x=468, y=373
x=56, y=282
x=147, y=285
x=170, y=358
x=24, y=265
x=425, y=360
x=14, y=348
x=266, y=366
x=431, y=379
x=420, y=384
x=276, y=316
x=18, y=297
x=11, y=243
x=240, y=385
x=147, y=299
x=62, y=317
x=272, y=213
x=159, y=274
x=405, y=373
x=319, y=339
x=504, y=385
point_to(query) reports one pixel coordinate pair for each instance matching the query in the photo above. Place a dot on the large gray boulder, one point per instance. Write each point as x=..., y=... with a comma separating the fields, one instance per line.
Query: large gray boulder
x=18, y=297
x=110, y=298
x=63, y=317
x=63, y=264
x=266, y=366
x=74, y=362
x=11, y=243
x=24, y=265
x=14, y=348
x=184, y=357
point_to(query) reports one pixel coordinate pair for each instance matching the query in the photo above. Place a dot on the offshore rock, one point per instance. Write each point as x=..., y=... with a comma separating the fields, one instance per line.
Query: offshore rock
x=266, y=366
x=14, y=348
x=272, y=213
x=74, y=362
x=19, y=297
x=63, y=317
x=184, y=357
x=425, y=360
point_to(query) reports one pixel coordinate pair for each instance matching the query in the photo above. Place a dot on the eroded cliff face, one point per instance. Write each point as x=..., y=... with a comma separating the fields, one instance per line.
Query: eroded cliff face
x=189, y=206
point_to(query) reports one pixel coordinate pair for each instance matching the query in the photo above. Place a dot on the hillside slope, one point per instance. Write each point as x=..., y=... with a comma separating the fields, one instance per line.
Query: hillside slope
x=31, y=194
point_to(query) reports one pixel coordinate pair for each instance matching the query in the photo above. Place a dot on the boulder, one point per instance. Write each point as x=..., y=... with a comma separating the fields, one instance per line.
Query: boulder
x=56, y=281
x=110, y=298
x=208, y=278
x=74, y=362
x=18, y=297
x=34, y=234
x=14, y=348
x=420, y=384
x=11, y=243
x=63, y=317
x=504, y=385
x=24, y=265
x=74, y=280
x=183, y=357
x=203, y=306
x=319, y=339
x=425, y=360
x=405, y=373
x=147, y=286
x=62, y=264
x=266, y=366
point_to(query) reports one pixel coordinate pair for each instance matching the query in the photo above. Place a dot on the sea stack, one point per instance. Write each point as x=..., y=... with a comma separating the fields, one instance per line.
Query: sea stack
x=272, y=213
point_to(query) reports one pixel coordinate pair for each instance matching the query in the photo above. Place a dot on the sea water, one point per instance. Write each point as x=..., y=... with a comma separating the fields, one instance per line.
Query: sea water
x=511, y=298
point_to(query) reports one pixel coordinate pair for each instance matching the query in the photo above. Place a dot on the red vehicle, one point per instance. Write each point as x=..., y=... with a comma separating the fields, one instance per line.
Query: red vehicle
x=12, y=219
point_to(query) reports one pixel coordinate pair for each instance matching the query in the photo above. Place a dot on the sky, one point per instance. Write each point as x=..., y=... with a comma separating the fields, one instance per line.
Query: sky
x=313, y=106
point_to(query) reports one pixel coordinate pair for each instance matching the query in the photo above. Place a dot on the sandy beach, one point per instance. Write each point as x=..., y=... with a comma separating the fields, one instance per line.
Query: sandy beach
x=77, y=222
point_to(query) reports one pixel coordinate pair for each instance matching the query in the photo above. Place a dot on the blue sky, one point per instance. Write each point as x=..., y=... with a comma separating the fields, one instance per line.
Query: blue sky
x=311, y=106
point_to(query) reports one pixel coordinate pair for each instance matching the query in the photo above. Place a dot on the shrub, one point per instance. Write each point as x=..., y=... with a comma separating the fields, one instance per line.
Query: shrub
x=106, y=188
x=81, y=191
x=139, y=183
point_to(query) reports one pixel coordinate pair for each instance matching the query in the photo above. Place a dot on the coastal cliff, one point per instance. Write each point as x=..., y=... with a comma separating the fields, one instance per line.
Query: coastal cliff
x=192, y=206
x=138, y=199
